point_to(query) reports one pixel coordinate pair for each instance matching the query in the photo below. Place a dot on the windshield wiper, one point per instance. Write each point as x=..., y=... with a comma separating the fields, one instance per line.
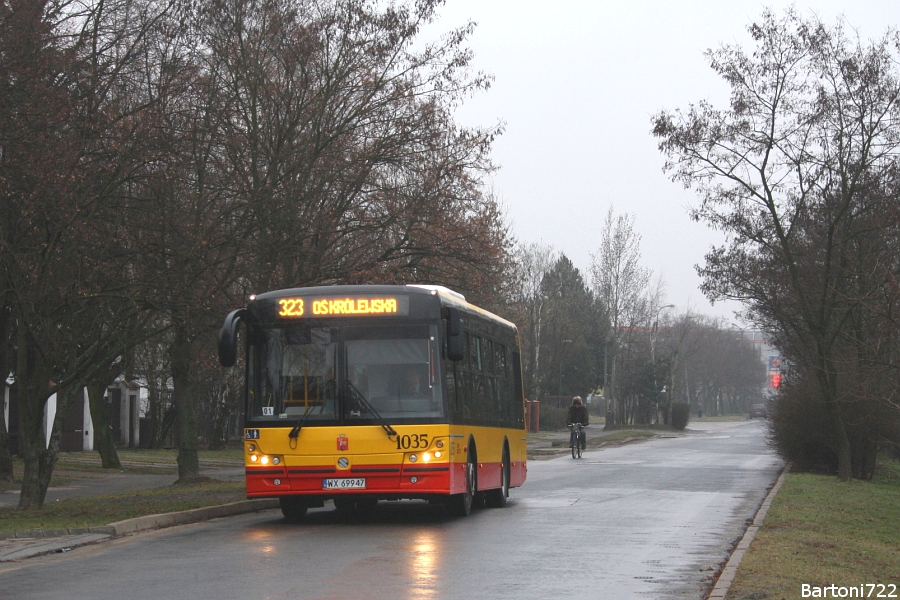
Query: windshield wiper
x=362, y=400
x=302, y=420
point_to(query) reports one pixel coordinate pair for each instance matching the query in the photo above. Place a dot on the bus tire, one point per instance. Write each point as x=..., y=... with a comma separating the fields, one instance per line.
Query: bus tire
x=496, y=498
x=465, y=501
x=293, y=508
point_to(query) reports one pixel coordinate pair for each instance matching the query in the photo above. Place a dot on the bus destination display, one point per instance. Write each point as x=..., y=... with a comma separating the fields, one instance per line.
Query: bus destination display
x=292, y=308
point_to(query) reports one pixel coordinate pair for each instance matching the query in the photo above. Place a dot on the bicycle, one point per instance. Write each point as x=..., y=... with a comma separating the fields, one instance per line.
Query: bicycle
x=579, y=440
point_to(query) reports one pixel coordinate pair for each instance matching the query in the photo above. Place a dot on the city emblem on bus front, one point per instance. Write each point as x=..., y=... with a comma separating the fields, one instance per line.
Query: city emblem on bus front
x=342, y=443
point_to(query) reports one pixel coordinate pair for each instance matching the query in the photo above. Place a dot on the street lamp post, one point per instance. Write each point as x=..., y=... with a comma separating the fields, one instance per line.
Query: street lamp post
x=654, y=333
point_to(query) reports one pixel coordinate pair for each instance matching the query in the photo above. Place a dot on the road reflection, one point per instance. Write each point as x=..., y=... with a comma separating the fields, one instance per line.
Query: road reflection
x=424, y=554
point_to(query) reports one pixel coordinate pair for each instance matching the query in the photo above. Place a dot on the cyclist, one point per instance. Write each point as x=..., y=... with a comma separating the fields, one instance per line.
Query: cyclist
x=577, y=414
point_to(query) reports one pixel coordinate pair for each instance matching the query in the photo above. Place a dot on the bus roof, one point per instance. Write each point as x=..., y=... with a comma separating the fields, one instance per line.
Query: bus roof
x=448, y=296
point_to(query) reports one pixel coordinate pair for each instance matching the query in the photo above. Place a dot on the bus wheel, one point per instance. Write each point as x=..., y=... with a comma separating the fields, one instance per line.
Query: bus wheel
x=293, y=508
x=496, y=498
x=465, y=500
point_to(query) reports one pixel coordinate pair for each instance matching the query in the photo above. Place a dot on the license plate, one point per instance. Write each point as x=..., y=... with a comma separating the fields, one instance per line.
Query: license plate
x=344, y=484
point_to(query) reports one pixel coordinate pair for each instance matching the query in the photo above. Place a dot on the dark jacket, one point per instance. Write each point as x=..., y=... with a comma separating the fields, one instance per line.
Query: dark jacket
x=577, y=414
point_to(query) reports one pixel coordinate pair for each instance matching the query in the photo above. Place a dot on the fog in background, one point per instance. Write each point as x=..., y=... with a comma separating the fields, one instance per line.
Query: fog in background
x=576, y=83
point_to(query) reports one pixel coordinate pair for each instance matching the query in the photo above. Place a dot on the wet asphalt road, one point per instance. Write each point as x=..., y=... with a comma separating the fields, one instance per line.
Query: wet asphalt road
x=645, y=520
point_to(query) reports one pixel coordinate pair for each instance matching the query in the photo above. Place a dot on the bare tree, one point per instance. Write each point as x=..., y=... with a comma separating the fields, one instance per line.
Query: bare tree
x=620, y=284
x=532, y=262
x=788, y=173
x=71, y=140
x=315, y=145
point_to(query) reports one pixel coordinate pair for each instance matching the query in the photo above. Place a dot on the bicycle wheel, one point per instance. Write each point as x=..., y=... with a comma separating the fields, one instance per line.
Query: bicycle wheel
x=578, y=446
x=575, y=448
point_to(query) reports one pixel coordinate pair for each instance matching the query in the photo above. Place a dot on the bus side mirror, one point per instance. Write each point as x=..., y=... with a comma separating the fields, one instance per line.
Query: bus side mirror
x=456, y=349
x=228, y=337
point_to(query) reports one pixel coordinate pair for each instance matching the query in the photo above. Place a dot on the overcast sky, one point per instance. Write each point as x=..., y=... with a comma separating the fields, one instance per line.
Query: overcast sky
x=576, y=83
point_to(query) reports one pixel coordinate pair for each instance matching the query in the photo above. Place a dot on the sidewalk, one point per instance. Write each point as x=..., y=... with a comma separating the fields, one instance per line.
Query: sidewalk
x=88, y=483
x=18, y=545
x=26, y=544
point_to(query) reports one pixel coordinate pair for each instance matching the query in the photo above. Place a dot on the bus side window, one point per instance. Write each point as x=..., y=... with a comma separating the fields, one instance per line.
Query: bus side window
x=488, y=389
x=487, y=356
x=470, y=400
x=451, y=386
x=517, y=388
x=505, y=417
x=500, y=360
x=474, y=343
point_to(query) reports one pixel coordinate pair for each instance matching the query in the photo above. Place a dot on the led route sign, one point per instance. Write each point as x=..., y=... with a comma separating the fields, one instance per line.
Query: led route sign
x=337, y=307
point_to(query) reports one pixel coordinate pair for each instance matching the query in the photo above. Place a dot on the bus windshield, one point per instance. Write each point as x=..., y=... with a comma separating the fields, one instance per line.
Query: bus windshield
x=291, y=374
x=394, y=368
x=315, y=374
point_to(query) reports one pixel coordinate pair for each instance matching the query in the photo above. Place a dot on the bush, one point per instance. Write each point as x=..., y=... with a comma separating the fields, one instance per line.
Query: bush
x=681, y=414
x=801, y=430
x=552, y=417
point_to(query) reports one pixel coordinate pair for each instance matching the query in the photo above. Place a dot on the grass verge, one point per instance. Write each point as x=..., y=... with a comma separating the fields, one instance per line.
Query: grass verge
x=69, y=464
x=718, y=419
x=822, y=532
x=103, y=510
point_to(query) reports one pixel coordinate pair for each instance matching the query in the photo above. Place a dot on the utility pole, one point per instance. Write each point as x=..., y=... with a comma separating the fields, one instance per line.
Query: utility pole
x=654, y=334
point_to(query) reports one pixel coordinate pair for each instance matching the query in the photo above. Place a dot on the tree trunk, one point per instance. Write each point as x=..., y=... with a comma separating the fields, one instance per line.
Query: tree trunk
x=42, y=454
x=827, y=378
x=841, y=440
x=614, y=411
x=103, y=437
x=217, y=439
x=6, y=465
x=32, y=387
x=183, y=396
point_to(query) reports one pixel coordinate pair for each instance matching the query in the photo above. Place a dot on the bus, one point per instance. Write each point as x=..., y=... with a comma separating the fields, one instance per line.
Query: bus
x=361, y=393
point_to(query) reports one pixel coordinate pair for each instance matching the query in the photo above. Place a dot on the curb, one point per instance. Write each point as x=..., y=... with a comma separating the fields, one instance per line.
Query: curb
x=723, y=583
x=53, y=533
x=148, y=522
x=190, y=516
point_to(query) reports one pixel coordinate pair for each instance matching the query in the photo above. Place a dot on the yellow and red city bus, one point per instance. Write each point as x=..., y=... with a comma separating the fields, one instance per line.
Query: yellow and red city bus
x=378, y=392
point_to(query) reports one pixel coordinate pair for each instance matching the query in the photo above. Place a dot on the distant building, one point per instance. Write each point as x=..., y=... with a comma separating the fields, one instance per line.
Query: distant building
x=126, y=404
x=768, y=354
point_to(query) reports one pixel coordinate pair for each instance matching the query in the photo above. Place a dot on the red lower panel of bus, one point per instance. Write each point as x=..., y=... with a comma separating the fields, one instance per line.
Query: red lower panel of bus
x=490, y=475
x=384, y=480
x=517, y=473
x=387, y=480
